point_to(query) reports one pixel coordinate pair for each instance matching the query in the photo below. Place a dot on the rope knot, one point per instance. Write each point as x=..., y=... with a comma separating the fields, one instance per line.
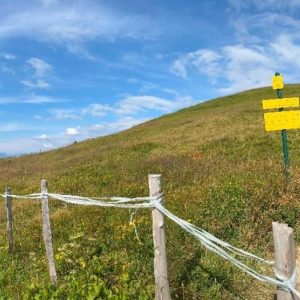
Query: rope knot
x=157, y=199
x=289, y=283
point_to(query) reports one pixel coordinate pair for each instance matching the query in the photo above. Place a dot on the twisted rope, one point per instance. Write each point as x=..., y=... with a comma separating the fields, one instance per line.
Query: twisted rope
x=208, y=240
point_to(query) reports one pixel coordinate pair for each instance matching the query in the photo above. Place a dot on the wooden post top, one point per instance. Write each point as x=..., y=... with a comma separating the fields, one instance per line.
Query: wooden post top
x=155, y=183
x=44, y=186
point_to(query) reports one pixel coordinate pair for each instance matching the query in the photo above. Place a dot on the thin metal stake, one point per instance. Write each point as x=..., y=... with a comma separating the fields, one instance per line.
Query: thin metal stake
x=284, y=140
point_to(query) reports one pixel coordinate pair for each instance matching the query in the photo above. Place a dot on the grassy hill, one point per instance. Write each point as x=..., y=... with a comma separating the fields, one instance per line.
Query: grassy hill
x=220, y=170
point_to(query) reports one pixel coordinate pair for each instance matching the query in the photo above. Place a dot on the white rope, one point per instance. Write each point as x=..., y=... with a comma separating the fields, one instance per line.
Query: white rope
x=27, y=197
x=147, y=202
x=205, y=239
x=208, y=240
x=120, y=202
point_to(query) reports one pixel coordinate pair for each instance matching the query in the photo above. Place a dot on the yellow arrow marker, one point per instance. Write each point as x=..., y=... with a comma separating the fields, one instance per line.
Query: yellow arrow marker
x=280, y=103
x=277, y=82
x=282, y=120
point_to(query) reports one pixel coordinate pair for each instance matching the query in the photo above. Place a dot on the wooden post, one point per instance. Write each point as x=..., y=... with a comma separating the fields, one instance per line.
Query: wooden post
x=47, y=233
x=284, y=257
x=162, y=290
x=9, y=218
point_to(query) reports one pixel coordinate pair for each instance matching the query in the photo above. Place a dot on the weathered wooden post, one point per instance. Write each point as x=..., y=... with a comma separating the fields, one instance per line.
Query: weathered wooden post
x=9, y=218
x=285, y=257
x=47, y=232
x=162, y=290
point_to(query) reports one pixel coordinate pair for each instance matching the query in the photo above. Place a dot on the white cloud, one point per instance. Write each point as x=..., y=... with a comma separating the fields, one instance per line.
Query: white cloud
x=41, y=70
x=179, y=67
x=238, y=67
x=204, y=60
x=7, y=70
x=285, y=48
x=8, y=56
x=40, y=67
x=71, y=24
x=42, y=137
x=133, y=104
x=266, y=4
x=64, y=114
x=31, y=99
x=48, y=2
x=97, y=127
x=97, y=109
x=39, y=84
x=79, y=49
x=72, y=131
x=245, y=68
x=37, y=99
x=124, y=123
x=6, y=127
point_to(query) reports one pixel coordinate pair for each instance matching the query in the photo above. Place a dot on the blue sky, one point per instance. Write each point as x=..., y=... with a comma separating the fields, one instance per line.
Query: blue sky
x=71, y=70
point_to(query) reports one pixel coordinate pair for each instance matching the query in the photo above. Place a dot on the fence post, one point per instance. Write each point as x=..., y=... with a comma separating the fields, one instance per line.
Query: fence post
x=47, y=232
x=162, y=290
x=285, y=257
x=9, y=218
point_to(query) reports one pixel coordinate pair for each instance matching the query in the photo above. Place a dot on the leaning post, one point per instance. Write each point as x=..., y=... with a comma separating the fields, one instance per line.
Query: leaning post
x=9, y=218
x=162, y=289
x=285, y=258
x=47, y=232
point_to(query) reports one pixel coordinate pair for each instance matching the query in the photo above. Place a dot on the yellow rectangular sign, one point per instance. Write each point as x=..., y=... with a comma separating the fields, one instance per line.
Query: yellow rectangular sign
x=280, y=103
x=277, y=82
x=282, y=120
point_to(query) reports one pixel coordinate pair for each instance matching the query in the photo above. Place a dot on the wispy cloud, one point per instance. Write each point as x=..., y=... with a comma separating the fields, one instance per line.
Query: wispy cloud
x=38, y=99
x=125, y=107
x=31, y=99
x=131, y=105
x=134, y=104
x=40, y=67
x=48, y=2
x=204, y=60
x=41, y=70
x=266, y=4
x=7, y=70
x=57, y=22
x=7, y=56
x=98, y=109
x=239, y=67
x=39, y=84
x=64, y=114
x=7, y=127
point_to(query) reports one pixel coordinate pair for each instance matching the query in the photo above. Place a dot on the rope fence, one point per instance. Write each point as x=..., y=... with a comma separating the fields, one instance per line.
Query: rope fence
x=284, y=264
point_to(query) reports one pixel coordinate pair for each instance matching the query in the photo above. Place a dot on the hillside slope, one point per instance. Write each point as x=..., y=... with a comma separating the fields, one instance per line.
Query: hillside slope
x=220, y=170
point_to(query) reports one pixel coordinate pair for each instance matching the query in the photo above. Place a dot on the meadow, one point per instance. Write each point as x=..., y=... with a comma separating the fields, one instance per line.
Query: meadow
x=221, y=171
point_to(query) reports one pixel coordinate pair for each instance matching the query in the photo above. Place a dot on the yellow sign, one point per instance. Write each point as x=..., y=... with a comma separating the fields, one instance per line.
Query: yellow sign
x=280, y=120
x=277, y=82
x=280, y=103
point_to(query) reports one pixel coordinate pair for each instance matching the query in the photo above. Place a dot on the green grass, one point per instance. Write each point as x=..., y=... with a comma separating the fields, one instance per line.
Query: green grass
x=220, y=170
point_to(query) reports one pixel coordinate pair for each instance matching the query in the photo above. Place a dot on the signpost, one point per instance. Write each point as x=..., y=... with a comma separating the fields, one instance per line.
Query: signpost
x=282, y=119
